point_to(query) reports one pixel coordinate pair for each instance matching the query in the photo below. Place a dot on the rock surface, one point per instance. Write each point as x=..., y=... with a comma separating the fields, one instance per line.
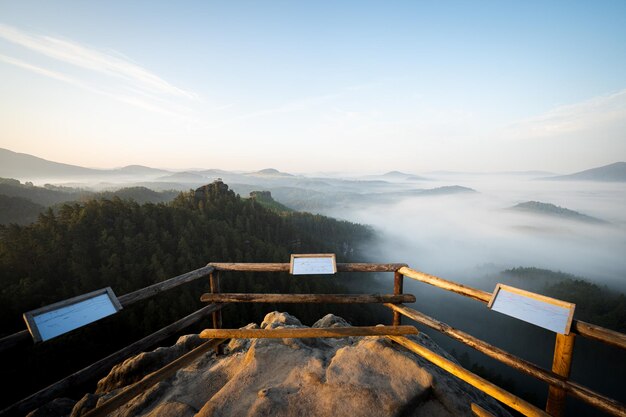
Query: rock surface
x=357, y=376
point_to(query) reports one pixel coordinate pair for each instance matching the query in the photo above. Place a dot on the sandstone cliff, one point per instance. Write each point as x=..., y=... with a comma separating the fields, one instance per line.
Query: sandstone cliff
x=359, y=376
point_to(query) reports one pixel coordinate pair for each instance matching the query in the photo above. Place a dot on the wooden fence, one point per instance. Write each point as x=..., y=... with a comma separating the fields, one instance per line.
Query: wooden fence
x=557, y=378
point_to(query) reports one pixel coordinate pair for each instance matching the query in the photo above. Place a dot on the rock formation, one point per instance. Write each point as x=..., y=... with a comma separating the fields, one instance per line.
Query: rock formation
x=357, y=376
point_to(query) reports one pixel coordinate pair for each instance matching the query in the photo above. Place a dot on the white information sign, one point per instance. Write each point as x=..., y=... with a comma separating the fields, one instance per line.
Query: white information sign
x=542, y=311
x=56, y=319
x=310, y=264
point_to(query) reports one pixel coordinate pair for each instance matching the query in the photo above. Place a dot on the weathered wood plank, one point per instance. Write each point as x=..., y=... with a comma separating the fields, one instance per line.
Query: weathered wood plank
x=284, y=267
x=214, y=282
x=133, y=297
x=601, y=334
x=101, y=367
x=474, y=380
x=23, y=336
x=479, y=295
x=137, y=388
x=582, y=328
x=479, y=411
x=581, y=392
x=306, y=332
x=307, y=298
x=398, y=284
x=15, y=339
x=561, y=365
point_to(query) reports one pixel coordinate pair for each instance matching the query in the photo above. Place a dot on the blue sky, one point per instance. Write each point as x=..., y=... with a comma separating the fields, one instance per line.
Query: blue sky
x=316, y=86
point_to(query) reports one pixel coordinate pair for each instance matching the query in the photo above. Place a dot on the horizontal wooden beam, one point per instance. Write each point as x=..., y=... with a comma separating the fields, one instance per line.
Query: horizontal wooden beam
x=23, y=336
x=474, y=380
x=104, y=365
x=307, y=298
x=137, y=388
x=479, y=411
x=133, y=297
x=284, y=267
x=601, y=334
x=576, y=390
x=15, y=339
x=479, y=295
x=306, y=332
x=582, y=328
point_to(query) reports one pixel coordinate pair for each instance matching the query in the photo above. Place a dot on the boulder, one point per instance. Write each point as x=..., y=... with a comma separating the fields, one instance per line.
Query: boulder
x=356, y=376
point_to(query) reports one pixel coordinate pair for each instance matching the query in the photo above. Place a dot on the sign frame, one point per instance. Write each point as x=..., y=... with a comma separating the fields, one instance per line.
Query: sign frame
x=537, y=297
x=330, y=256
x=29, y=316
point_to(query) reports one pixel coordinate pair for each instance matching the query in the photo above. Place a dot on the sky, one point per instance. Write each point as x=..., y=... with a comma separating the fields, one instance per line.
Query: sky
x=324, y=86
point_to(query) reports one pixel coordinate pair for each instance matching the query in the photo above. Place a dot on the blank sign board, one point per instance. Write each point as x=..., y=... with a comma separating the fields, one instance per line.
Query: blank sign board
x=59, y=318
x=542, y=311
x=309, y=264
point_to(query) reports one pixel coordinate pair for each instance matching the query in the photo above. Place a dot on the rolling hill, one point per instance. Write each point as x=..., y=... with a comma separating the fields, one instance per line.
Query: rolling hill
x=547, y=209
x=615, y=172
x=21, y=165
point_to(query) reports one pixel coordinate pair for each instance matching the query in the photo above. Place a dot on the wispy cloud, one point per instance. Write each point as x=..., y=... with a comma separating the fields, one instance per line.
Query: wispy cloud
x=140, y=86
x=135, y=101
x=588, y=114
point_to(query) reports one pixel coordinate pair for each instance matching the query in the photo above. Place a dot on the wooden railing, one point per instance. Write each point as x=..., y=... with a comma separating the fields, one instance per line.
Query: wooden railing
x=557, y=378
x=563, y=353
x=104, y=365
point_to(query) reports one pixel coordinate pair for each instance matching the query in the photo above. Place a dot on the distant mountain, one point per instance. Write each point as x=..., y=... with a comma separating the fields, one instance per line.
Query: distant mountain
x=141, y=170
x=271, y=172
x=50, y=195
x=609, y=173
x=214, y=172
x=24, y=166
x=21, y=165
x=446, y=190
x=548, y=209
x=401, y=176
x=45, y=196
x=140, y=195
x=184, y=177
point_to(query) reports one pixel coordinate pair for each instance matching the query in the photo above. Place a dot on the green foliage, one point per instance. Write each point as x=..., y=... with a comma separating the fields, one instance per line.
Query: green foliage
x=89, y=245
x=117, y=243
x=18, y=210
x=45, y=196
x=139, y=195
x=265, y=199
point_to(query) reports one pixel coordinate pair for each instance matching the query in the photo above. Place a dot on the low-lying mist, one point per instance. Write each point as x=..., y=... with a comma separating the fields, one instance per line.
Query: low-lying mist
x=473, y=237
x=463, y=236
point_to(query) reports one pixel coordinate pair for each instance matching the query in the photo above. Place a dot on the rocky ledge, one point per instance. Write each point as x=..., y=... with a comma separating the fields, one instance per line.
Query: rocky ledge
x=357, y=376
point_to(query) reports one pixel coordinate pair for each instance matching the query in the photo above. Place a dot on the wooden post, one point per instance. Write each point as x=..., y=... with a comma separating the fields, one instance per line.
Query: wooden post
x=214, y=280
x=561, y=365
x=398, y=283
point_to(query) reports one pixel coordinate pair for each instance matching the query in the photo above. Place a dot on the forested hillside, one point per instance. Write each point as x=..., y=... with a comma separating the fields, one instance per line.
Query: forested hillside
x=85, y=246
x=21, y=203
